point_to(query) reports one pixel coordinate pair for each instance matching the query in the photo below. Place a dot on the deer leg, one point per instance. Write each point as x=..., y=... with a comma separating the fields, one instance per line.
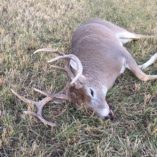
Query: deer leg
x=132, y=65
x=123, y=35
x=126, y=36
x=149, y=62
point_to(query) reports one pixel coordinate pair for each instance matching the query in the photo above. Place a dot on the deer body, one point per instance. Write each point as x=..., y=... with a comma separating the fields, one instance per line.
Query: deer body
x=103, y=59
x=97, y=58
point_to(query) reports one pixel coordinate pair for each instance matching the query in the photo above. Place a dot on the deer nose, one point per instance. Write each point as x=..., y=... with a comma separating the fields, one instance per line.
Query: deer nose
x=110, y=116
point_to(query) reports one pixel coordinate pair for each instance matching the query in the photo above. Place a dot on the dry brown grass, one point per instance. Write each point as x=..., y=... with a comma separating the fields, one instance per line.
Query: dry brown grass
x=31, y=24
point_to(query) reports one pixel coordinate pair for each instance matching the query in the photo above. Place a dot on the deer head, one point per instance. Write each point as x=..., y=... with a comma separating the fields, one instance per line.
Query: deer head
x=92, y=96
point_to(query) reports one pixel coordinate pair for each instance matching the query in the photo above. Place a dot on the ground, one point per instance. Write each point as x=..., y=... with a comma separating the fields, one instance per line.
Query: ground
x=31, y=24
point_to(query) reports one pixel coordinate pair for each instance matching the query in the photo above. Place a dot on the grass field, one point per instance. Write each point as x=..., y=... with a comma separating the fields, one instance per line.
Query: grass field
x=31, y=24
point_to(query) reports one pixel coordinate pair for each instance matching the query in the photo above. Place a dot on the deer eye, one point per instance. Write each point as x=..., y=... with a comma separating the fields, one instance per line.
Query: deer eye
x=92, y=92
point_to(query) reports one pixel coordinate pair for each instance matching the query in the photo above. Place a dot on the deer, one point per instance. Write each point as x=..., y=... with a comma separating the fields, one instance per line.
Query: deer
x=97, y=58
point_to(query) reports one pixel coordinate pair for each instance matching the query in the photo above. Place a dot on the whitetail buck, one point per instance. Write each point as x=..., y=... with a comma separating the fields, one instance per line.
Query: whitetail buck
x=97, y=58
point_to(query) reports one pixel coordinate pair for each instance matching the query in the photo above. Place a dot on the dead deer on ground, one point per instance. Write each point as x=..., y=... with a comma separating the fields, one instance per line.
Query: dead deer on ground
x=97, y=58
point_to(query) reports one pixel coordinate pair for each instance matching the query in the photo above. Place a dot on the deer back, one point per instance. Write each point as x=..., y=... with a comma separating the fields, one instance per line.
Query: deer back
x=100, y=52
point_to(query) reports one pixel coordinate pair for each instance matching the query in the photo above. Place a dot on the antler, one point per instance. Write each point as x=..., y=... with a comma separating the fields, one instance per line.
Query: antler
x=76, y=60
x=40, y=104
x=79, y=68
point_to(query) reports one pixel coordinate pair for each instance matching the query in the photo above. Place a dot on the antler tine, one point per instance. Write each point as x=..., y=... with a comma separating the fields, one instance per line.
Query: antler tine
x=48, y=50
x=39, y=105
x=76, y=60
x=23, y=98
x=40, y=118
x=41, y=92
x=58, y=95
x=63, y=56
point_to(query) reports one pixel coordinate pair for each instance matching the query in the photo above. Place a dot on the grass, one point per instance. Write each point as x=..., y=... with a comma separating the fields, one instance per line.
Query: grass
x=28, y=25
